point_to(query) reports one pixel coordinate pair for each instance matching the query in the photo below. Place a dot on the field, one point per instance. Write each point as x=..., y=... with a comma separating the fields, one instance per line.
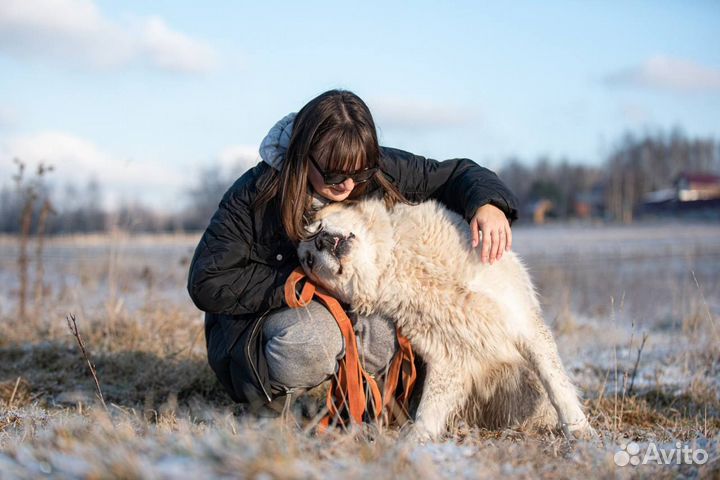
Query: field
x=634, y=311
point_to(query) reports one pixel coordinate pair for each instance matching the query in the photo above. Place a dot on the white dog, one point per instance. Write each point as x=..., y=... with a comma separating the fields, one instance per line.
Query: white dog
x=490, y=358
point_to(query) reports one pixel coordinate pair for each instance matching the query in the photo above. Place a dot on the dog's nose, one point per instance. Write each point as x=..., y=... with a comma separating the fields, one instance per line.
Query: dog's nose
x=326, y=241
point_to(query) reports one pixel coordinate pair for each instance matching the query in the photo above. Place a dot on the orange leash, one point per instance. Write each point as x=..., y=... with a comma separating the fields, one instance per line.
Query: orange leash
x=347, y=390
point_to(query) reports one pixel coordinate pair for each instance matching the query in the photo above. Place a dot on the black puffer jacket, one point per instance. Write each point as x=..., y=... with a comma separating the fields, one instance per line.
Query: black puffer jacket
x=243, y=258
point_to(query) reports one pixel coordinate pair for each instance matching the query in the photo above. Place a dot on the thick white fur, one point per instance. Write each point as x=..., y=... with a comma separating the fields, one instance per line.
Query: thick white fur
x=490, y=358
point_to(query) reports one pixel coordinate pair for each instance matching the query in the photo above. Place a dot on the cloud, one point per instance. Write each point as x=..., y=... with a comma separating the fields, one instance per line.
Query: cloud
x=76, y=160
x=667, y=73
x=237, y=159
x=173, y=51
x=418, y=115
x=76, y=32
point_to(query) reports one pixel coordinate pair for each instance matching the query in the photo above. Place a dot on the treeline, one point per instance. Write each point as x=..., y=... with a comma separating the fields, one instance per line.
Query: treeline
x=636, y=165
x=77, y=209
x=640, y=165
x=562, y=183
x=80, y=210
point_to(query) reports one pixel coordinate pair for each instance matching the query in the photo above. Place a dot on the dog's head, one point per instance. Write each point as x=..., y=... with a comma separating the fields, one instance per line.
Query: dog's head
x=349, y=249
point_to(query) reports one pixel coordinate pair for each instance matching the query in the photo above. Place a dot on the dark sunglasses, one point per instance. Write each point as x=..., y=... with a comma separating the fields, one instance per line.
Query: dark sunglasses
x=336, y=178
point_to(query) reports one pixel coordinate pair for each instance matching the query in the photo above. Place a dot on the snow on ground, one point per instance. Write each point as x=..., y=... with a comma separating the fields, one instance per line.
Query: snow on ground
x=604, y=290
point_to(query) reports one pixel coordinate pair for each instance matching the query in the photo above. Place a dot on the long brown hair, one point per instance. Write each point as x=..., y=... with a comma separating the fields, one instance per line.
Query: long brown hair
x=337, y=129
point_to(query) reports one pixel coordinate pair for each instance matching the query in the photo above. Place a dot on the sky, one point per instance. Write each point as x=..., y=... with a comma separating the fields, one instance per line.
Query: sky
x=141, y=96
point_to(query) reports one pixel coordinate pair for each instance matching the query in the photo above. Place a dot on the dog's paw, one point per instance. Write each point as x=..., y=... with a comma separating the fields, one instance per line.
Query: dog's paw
x=588, y=434
x=417, y=433
x=581, y=430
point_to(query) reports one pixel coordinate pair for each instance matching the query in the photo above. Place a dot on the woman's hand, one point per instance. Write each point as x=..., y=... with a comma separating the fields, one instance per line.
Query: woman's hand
x=496, y=233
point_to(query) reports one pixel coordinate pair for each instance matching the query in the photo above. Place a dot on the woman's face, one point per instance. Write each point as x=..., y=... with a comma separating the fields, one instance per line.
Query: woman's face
x=336, y=193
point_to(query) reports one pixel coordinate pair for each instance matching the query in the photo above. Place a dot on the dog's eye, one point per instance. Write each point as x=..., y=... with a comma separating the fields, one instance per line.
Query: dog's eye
x=316, y=233
x=309, y=260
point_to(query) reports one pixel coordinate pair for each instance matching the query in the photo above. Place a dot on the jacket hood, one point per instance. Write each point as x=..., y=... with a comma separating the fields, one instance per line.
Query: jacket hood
x=275, y=144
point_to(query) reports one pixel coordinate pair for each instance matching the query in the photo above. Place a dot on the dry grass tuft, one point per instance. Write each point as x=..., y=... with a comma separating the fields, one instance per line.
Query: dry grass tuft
x=15, y=393
x=657, y=415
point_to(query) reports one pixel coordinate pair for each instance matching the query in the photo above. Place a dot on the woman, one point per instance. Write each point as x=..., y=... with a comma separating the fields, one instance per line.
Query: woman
x=262, y=351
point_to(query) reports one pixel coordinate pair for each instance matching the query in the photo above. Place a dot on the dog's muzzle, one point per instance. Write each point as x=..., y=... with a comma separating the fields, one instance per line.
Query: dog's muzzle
x=337, y=245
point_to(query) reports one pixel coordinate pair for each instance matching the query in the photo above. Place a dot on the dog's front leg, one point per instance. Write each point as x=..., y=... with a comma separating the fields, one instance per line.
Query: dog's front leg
x=443, y=392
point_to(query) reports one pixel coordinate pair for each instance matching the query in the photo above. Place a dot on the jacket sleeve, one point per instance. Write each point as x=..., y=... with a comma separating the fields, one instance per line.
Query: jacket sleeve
x=222, y=276
x=460, y=184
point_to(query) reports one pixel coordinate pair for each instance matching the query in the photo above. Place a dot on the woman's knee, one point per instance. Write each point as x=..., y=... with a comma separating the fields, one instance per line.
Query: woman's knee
x=302, y=346
x=377, y=341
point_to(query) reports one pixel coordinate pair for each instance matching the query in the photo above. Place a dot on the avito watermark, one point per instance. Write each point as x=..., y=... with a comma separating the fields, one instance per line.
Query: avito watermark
x=630, y=454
